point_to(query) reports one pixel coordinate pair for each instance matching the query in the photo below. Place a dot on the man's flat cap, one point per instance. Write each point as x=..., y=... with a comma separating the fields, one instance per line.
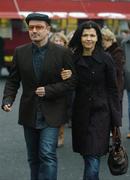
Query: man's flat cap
x=39, y=17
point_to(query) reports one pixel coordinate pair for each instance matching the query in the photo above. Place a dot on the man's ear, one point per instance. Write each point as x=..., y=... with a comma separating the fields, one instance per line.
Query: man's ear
x=49, y=28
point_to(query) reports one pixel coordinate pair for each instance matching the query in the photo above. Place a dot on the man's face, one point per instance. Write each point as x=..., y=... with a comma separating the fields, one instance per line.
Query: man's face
x=38, y=31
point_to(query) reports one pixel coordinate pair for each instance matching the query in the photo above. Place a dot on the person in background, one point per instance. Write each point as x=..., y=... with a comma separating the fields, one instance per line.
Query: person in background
x=70, y=35
x=1, y=54
x=43, y=107
x=123, y=34
x=96, y=106
x=111, y=46
x=60, y=39
x=126, y=47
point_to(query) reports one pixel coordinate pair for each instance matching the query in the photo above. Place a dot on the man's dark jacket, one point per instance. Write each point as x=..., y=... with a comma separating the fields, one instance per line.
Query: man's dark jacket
x=54, y=103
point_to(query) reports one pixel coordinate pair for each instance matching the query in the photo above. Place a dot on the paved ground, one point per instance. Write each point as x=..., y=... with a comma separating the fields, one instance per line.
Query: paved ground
x=13, y=164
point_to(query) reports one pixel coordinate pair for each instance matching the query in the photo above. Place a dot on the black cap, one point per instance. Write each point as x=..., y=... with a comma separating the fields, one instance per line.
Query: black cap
x=39, y=17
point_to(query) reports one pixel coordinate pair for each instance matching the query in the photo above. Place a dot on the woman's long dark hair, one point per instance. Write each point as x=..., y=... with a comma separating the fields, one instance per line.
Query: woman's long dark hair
x=75, y=43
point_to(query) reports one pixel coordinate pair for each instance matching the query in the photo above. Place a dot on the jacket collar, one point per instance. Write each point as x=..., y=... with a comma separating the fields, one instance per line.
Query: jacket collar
x=97, y=56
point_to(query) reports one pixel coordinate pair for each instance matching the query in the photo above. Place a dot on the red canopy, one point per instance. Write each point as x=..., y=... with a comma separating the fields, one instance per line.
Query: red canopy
x=73, y=5
x=11, y=8
x=8, y=9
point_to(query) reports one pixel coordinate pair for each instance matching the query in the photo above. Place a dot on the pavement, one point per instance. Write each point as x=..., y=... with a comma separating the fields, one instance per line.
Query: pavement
x=13, y=156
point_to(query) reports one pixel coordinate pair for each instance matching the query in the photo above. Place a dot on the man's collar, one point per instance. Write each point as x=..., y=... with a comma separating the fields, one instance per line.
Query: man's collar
x=35, y=47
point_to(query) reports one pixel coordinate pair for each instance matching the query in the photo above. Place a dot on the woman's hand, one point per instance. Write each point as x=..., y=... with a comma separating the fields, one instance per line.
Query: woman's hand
x=116, y=134
x=66, y=74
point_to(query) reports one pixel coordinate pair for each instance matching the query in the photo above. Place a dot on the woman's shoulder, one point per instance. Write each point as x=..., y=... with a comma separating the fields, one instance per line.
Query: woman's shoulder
x=107, y=55
x=106, y=58
x=101, y=55
x=115, y=48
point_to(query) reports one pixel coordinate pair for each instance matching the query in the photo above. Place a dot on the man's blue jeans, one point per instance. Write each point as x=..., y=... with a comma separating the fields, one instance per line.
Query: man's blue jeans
x=41, y=148
x=91, y=167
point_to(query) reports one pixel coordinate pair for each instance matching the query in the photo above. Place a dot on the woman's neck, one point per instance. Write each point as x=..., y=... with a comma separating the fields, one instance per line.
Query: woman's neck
x=87, y=52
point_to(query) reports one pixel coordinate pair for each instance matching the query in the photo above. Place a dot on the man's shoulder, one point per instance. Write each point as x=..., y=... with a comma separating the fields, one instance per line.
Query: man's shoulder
x=59, y=49
x=53, y=45
x=24, y=46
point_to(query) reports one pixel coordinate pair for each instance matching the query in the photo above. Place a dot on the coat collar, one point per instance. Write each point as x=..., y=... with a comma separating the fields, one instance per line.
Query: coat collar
x=97, y=56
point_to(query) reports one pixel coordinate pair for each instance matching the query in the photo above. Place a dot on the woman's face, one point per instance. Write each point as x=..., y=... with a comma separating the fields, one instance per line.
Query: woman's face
x=106, y=42
x=89, y=39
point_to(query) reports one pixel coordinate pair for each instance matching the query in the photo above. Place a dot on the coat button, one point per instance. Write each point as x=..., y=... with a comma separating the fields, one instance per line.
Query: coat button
x=89, y=98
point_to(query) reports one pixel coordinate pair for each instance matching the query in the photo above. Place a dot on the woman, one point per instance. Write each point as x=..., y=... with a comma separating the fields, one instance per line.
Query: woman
x=111, y=46
x=96, y=107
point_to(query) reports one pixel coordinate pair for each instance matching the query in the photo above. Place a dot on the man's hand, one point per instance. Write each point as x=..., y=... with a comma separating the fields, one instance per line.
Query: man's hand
x=7, y=107
x=40, y=91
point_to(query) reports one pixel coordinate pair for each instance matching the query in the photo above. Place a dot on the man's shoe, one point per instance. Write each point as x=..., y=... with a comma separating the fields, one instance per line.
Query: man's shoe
x=60, y=143
x=61, y=137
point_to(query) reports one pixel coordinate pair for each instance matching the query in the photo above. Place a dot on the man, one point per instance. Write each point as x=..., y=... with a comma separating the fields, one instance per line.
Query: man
x=43, y=105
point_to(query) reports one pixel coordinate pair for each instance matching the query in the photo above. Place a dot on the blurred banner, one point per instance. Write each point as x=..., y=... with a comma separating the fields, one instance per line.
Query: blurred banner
x=5, y=28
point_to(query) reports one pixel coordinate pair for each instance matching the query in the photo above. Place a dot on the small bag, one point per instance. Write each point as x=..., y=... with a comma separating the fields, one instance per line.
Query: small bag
x=118, y=158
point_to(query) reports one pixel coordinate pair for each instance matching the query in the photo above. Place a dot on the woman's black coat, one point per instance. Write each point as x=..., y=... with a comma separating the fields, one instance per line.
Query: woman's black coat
x=96, y=106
